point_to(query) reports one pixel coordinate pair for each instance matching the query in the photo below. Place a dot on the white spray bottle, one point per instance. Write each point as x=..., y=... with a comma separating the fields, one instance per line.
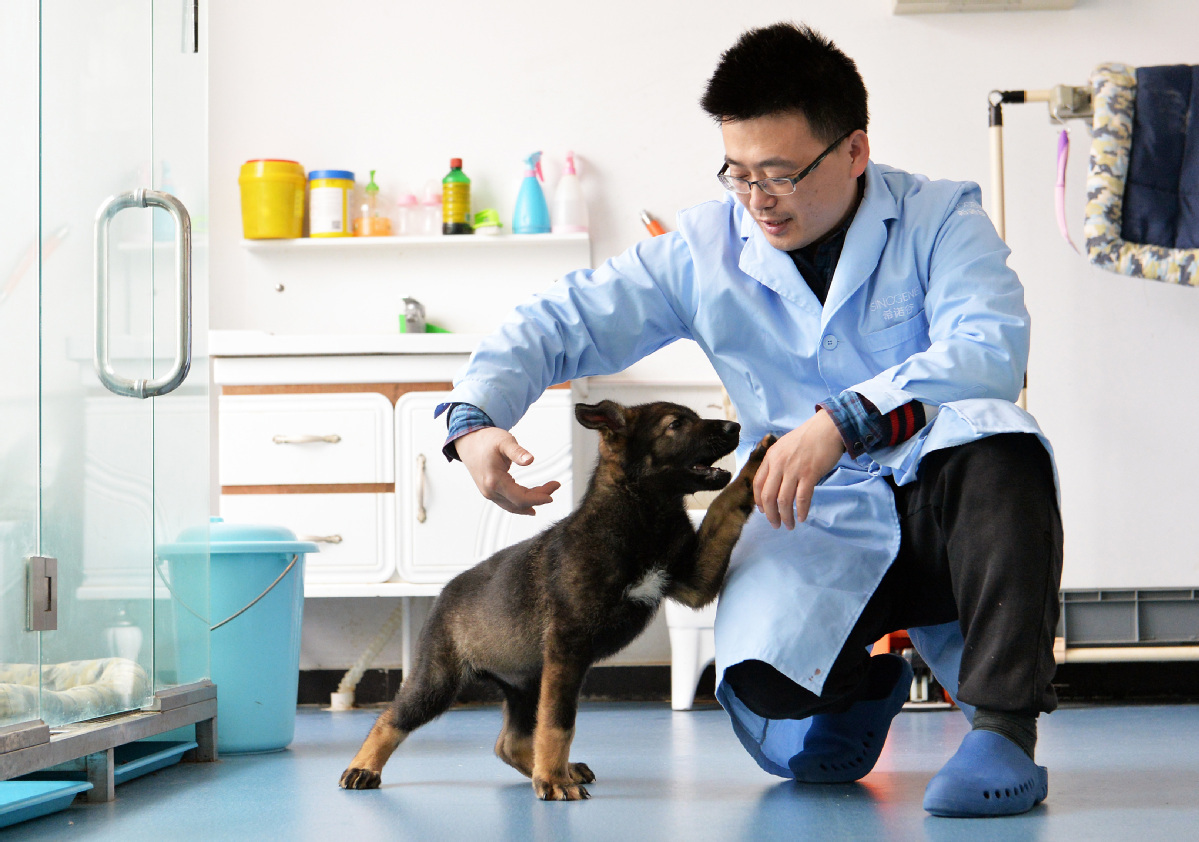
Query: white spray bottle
x=570, y=210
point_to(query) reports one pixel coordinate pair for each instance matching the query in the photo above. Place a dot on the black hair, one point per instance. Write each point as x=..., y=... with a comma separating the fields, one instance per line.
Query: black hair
x=788, y=67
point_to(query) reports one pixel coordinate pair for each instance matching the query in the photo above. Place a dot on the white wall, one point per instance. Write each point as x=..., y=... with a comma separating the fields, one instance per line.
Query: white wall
x=401, y=87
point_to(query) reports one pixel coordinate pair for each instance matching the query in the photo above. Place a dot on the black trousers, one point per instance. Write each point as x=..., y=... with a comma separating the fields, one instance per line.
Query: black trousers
x=981, y=542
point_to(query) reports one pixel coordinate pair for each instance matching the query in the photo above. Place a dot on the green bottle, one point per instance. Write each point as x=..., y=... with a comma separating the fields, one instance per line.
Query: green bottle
x=455, y=201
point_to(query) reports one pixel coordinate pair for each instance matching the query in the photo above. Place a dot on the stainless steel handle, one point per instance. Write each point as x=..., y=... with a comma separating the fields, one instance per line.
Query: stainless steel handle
x=191, y=26
x=320, y=539
x=141, y=388
x=421, y=514
x=281, y=439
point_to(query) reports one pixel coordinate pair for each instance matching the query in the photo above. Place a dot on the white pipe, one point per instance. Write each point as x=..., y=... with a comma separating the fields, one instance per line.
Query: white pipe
x=1113, y=654
x=997, y=180
x=343, y=699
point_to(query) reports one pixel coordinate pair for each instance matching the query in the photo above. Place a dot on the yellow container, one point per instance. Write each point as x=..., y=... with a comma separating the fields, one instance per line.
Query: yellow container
x=272, y=199
x=329, y=193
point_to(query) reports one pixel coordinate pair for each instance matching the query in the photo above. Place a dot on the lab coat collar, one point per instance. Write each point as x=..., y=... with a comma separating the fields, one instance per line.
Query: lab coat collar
x=771, y=267
x=864, y=242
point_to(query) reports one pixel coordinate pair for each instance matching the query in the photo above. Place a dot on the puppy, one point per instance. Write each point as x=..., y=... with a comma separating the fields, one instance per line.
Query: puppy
x=535, y=616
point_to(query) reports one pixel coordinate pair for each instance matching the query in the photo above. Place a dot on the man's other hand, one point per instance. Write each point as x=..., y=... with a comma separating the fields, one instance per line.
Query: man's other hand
x=489, y=454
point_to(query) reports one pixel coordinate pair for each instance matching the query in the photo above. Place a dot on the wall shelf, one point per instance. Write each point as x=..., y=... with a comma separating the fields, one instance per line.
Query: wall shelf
x=493, y=241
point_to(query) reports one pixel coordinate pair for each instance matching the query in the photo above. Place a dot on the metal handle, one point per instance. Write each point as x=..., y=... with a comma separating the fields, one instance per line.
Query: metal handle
x=281, y=439
x=421, y=514
x=141, y=388
x=321, y=539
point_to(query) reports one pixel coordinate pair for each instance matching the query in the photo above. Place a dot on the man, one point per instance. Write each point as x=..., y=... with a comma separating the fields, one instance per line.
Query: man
x=867, y=317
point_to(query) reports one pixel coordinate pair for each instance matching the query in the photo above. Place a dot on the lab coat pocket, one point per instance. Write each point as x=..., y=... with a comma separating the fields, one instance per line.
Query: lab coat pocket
x=890, y=337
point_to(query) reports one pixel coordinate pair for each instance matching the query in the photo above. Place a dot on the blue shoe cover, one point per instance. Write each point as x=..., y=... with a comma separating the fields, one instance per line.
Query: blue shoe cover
x=988, y=776
x=843, y=747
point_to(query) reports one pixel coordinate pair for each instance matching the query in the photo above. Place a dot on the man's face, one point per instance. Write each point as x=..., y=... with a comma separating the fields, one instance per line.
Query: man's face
x=782, y=145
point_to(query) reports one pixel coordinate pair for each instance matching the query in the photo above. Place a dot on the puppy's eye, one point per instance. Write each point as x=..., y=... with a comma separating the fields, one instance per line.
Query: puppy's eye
x=675, y=424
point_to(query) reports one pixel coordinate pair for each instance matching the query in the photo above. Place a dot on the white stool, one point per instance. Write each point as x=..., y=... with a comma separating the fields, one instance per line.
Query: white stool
x=692, y=648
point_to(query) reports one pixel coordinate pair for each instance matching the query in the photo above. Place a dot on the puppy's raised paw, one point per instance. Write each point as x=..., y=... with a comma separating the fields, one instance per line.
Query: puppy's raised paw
x=750, y=469
x=353, y=778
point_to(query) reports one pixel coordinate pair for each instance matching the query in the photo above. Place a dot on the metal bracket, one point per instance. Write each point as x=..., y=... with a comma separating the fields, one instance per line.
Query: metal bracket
x=42, y=594
x=1067, y=102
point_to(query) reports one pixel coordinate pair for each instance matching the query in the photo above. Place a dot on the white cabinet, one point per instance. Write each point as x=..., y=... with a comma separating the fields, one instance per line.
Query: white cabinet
x=445, y=525
x=339, y=464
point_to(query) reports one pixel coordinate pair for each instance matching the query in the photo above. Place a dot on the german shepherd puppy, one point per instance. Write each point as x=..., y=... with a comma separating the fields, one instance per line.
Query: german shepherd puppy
x=535, y=616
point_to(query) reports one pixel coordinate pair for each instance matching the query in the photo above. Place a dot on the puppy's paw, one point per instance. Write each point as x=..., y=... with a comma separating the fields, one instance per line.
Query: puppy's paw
x=581, y=773
x=353, y=778
x=750, y=468
x=762, y=447
x=559, y=790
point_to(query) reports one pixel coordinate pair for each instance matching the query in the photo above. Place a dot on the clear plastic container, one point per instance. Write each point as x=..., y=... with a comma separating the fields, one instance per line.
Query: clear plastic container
x=407, y=216
x=430, y=206
x=373, y=219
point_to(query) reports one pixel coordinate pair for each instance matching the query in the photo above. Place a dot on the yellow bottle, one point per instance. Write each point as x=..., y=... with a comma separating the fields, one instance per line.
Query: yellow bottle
x=455, y=201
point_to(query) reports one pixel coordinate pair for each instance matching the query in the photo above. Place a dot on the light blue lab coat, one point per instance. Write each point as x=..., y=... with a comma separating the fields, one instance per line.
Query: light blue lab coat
x=922, y=306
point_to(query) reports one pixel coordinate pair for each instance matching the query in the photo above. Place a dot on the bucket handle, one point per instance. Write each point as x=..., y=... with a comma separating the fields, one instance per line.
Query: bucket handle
x=295, y=557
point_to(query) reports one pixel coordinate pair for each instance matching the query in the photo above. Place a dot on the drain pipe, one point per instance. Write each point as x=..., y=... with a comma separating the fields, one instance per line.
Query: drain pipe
x=343, y=698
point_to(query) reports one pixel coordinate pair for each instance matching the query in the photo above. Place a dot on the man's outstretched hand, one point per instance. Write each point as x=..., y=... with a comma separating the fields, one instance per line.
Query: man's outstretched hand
x=489, y=454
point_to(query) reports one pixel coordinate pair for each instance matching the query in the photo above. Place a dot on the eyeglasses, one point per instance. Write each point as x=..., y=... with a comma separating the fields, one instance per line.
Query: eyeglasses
x=782, y=186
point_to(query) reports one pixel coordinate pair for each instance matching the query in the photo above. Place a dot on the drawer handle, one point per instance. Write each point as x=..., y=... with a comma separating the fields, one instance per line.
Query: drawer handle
x=321, y=539
x=333, y=439
x=421, y=514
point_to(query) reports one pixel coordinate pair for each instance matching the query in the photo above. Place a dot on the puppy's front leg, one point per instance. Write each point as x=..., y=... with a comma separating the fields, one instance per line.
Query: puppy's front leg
x=718, y=534
x=555, y=778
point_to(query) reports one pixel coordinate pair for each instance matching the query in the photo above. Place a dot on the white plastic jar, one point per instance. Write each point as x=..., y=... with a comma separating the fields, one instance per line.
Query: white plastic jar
x=329, y=194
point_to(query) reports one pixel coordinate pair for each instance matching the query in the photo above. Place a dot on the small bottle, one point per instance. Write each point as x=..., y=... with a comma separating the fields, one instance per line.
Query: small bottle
x=407, y=216
x=570, y=209
x=430, y=210
x=531, y=216
x=372, y=221
x=455, y=201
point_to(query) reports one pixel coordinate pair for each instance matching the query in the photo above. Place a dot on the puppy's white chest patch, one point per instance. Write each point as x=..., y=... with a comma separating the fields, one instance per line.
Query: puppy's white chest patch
x=649, y=588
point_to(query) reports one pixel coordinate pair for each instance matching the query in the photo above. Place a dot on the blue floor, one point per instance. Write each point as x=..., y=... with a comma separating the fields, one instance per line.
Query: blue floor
x=1115, y=772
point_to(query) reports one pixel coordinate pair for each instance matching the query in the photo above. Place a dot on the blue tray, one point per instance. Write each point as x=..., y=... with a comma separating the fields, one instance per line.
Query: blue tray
x=24, y=800
x=132, y=761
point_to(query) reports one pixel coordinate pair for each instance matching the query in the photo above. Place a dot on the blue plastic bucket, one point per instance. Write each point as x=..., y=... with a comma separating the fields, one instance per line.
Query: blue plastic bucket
x=256, y=576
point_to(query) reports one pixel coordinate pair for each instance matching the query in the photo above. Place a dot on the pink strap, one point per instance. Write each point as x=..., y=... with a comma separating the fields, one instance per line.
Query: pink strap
x=1063, y=155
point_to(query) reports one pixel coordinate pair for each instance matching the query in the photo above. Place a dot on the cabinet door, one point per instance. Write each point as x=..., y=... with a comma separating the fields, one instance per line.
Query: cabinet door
x=444, y=525
x=354, y=531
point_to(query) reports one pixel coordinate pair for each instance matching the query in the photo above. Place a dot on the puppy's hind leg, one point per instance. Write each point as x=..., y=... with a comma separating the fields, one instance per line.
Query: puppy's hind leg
x=515, y=743
x=429, y=691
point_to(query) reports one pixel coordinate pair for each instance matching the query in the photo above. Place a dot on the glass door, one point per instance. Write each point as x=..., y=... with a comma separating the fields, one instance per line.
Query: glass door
x=123, y=451
x=21, y=249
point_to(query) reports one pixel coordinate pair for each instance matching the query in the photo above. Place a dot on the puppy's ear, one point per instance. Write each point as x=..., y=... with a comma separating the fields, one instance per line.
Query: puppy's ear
x=606, y=416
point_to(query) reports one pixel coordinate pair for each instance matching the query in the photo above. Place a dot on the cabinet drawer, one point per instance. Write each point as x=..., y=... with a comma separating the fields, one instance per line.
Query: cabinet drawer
x=445, y=525
x=306, y=439
x=354, y=531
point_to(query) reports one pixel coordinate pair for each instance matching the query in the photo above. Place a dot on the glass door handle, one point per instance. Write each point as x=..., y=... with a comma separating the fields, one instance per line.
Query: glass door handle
x=115, y=383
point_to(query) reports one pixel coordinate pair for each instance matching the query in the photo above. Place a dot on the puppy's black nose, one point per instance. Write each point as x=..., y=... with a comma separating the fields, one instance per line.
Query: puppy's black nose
x=732, y=428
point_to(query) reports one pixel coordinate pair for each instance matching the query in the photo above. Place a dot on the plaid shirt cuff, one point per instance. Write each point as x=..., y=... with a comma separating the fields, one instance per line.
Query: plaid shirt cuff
x=462, y=418
x=863, y=427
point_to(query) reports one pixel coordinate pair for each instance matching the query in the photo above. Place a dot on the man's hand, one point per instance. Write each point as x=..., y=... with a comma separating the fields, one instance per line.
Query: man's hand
x=488, y=454
x=793, y=466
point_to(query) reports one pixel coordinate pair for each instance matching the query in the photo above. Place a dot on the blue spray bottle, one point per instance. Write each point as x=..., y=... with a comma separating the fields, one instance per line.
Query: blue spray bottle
x=532, y=215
